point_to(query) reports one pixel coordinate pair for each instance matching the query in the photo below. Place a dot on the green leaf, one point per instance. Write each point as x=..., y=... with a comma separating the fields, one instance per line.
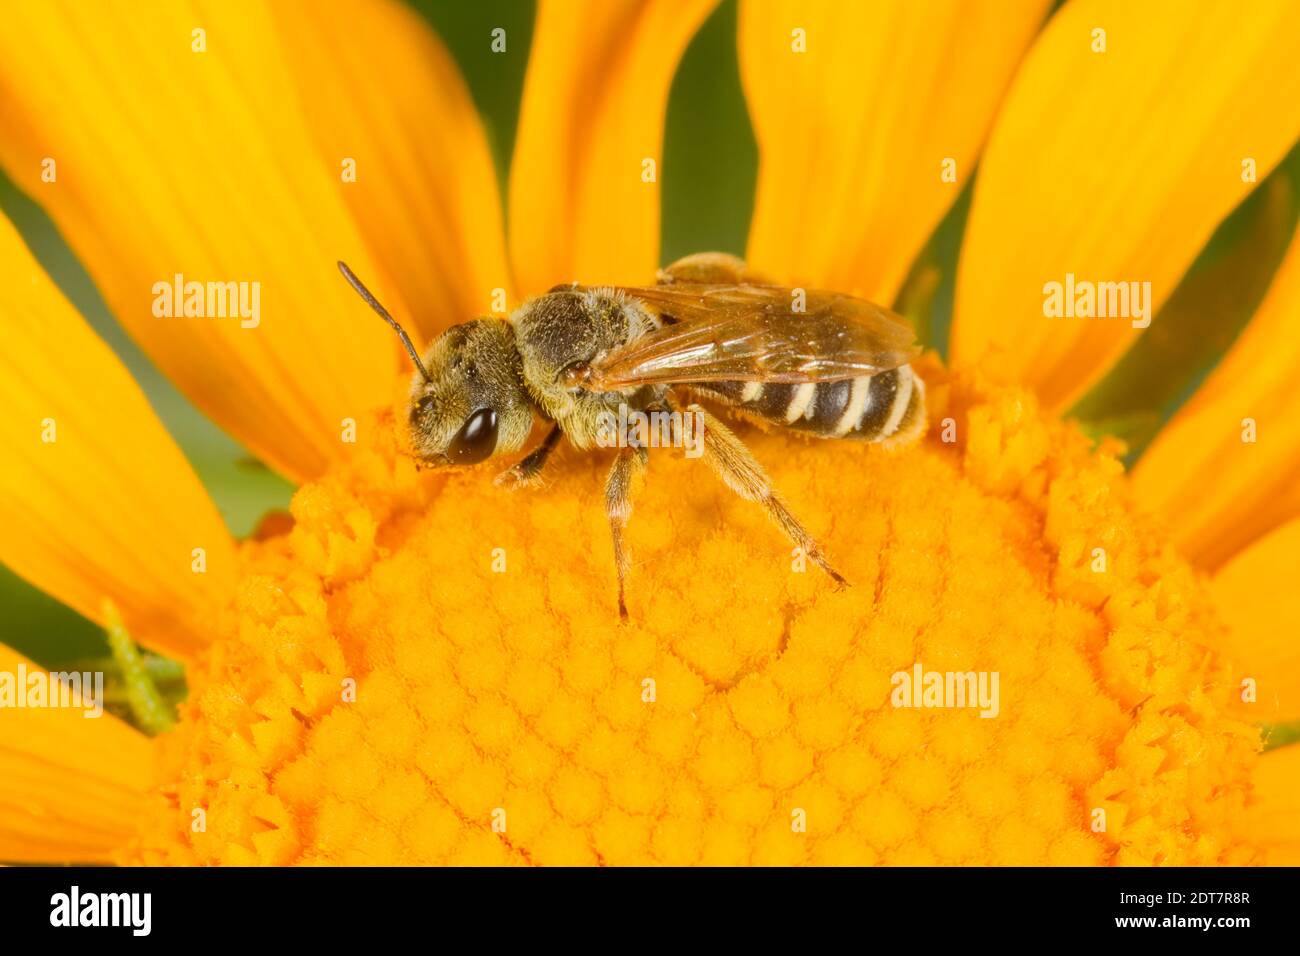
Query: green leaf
x=1199, y=323
x=710, y=165
x=929, y=290
x=1281, y=735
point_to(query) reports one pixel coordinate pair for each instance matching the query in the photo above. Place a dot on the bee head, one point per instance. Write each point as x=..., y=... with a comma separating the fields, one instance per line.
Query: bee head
x=468, y=400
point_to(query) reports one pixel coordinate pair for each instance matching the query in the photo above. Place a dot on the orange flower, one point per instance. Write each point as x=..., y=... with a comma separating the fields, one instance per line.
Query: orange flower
x=421, y=670
x=742, y=699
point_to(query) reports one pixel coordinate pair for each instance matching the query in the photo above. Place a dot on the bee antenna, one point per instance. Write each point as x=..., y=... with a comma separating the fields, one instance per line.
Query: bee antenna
x=383, y=314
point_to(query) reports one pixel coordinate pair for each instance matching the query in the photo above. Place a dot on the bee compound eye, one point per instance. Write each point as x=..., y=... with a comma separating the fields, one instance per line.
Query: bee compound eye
x=476, y=440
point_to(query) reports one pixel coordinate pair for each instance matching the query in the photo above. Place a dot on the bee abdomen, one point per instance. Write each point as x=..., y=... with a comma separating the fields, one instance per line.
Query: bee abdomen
x=887, y=405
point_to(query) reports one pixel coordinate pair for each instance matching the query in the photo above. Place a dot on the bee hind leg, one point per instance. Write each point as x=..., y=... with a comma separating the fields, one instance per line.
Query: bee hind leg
x=716, y=268
x=740, y=471
x=627, y=466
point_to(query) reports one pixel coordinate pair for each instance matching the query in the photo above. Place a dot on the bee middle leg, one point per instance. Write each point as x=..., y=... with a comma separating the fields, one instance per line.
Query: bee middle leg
x=627, y=466
x=740, y=471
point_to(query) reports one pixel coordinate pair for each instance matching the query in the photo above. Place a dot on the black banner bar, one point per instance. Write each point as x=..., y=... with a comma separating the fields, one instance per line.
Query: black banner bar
x=334, y=905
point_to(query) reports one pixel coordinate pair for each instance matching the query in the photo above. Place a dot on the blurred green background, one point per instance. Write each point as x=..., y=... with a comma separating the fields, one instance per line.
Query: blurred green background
x=708, y=176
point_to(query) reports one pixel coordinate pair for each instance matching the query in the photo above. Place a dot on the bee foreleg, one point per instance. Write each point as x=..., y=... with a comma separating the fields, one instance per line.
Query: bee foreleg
x=529, y=469
x=740, y=471
x=618, y=506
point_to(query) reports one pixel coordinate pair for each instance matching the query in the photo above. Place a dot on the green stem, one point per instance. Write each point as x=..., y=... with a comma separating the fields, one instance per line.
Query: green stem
x=148, y=706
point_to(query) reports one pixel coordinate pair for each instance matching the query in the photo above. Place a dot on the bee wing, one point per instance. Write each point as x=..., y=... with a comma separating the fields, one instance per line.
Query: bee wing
x=751, y=333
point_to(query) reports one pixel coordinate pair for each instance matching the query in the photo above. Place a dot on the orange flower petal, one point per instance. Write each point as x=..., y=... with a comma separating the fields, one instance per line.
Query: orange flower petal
x=379, y=88
x=71, y=786
x=1273, y=822
x=584, y=197
x=174, y=162
x=853, y=131
x=1256, y=594
x=95, y=499
x=1243, y=428
x=1095, y=169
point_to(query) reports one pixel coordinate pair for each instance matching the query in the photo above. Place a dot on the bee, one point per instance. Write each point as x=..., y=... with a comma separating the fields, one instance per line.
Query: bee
x=822, y=364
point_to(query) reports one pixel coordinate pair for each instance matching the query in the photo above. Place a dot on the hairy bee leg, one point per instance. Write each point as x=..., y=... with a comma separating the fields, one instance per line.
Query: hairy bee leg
x=740, y=471
x=528, y=469
x=719, y=268
x=618, y=506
